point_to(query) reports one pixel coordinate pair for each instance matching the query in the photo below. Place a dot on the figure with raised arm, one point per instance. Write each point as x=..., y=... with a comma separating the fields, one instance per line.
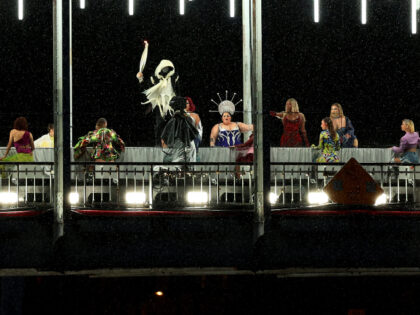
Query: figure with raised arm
x=294, y=132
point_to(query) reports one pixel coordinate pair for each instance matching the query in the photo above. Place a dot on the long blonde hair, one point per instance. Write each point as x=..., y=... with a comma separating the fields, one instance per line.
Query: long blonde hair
x=340, y=109
x=409, y=123
x=295, y=106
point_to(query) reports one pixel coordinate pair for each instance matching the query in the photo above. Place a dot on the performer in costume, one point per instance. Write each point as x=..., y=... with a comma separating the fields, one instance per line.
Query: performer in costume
x=329, y=143
x=228, y=133
x=107, y=145
x=343, y=126
x=407, y=151
x=190, y=109
x=179, y=133
x=159, y=92
x=293, y=125
x=46, y=141
x=23, y=142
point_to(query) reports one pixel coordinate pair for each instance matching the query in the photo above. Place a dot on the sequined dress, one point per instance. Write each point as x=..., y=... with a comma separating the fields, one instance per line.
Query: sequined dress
x=228, y=138
x=291, y=133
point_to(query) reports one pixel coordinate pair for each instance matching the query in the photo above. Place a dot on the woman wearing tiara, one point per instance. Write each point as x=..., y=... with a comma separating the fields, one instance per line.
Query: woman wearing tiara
x=294, y=132
x=228, y=133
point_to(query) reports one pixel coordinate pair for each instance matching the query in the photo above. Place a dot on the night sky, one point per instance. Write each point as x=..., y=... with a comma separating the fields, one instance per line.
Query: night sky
x=372, y=70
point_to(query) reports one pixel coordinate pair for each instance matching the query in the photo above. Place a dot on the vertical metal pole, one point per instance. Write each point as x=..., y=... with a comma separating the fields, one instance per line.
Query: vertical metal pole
x=251, y=17
x=246, y=64
x=61, y=91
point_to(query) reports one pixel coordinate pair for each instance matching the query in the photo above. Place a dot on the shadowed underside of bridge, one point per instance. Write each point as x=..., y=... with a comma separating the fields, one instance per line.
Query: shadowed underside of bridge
x=312, y=241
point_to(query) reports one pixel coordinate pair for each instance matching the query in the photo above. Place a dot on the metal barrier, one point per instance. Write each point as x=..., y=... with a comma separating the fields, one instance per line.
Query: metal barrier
x=157, y=185
x=165, y=186
x=291, y=183
x=26, y=184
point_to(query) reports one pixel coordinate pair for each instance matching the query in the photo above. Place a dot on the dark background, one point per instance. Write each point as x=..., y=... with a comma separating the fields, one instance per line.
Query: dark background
x=372, y=70
x=187, y=295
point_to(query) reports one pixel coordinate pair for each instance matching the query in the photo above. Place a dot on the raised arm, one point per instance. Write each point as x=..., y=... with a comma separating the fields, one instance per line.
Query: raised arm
x=277, y=114
x=214, y=134
x=303, y=130
x=244, y=127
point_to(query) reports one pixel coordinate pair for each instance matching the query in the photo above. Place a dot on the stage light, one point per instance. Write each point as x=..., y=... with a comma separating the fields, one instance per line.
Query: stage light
x=181, y=7
x=135, y=197
x=74, y=198
x=316, y=11
x=20, y=9
x=414, y=16
x=8, y=197
x=131, y=7
x=197, y=197
x=82, y=4
x=160, y=293
x=232, y=8
x=273, y=198
x=317, y=197
x=381, y=200
x=364, y=11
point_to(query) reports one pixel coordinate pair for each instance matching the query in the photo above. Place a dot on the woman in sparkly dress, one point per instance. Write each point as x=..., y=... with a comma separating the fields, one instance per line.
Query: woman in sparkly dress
x=294, y=132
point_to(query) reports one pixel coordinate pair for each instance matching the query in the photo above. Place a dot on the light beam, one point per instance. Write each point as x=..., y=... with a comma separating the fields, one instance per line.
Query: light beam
x=181, y=7
x=20, y=9
x=232, y=8
x=414, y=16
x=131, y=7
x=316, y=11
x=364, y=11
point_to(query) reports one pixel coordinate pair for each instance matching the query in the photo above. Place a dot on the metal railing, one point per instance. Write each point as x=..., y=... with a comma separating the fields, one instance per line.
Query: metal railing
x=168, y=186
x=291, y=182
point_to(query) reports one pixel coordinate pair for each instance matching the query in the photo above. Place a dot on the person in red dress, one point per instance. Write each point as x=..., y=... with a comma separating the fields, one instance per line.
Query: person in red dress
x=294, y=132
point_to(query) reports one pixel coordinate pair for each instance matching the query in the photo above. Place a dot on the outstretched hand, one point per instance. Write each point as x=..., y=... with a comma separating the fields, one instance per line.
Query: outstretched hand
x=273, y=113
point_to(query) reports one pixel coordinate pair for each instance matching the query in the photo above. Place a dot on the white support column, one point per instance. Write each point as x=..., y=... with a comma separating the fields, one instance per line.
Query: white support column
x=252, y=54
x=62, y=99
x=246, y=64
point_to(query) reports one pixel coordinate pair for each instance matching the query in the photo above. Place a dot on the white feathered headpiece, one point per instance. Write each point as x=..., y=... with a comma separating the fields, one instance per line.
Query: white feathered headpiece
x=162, y=92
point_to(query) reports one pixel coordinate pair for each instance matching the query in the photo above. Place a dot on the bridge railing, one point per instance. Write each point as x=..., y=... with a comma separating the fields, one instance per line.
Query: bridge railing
x=177, y=185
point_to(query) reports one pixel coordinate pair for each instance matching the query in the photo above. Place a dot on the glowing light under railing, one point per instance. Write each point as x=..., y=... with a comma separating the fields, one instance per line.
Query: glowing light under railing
x=181, y=7
x=197, y=197
x=82, y=4
x=8, y=197
x=20, y=9
x=381, y=200
x=232, y=8
x=273, y=198
x=74, y=198
x=316, y=11
x=131, y=7
x=414, y=16
x=317, y=197
x=135, y=197
x=364, y=11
